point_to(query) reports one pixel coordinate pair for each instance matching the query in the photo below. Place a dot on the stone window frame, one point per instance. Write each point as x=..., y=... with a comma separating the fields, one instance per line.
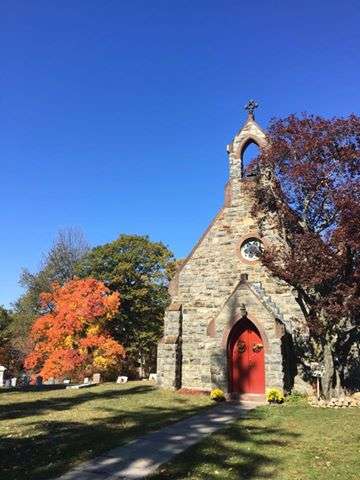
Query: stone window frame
x=251, y=234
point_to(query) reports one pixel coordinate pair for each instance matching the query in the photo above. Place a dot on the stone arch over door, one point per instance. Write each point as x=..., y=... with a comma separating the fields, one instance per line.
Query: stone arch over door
x=245, y=358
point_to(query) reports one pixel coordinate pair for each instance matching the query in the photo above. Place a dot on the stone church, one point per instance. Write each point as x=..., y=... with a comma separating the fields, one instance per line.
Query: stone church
x=230, y=321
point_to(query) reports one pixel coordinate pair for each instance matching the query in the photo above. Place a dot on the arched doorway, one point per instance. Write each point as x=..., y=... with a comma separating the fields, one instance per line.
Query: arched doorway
x=246, y=359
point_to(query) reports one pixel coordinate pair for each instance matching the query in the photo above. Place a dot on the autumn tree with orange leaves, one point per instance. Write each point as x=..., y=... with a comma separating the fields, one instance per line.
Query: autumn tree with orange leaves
x=70, y=338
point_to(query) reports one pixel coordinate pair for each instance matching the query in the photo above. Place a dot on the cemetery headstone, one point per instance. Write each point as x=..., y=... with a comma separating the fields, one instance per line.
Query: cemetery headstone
x=153, y=377
x=2, y=370
x=121, y=379
x=86, y=380
x=39, y=381
x=96, y=378
x=23, y=380
x=13, y=381
x=66, y=381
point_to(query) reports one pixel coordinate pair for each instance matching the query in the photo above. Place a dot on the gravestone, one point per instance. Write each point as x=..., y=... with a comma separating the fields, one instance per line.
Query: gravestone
x=13, y=381
x=39, y=381
x=66, y=381
x=96, y=378
x=2, y=370
x=153, y=377
x=86, y=380
x=24, y=380
x=121, y=379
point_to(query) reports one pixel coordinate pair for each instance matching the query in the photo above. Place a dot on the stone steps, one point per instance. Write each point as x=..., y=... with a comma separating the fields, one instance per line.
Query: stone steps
x=251, y=399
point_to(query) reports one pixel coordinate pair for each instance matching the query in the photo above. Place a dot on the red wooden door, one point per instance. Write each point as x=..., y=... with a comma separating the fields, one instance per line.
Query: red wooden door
x=246, y=355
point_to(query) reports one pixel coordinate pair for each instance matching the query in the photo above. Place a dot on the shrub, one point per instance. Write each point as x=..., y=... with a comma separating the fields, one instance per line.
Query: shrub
x=274, y=395
x=296, y=397
x=217, y=395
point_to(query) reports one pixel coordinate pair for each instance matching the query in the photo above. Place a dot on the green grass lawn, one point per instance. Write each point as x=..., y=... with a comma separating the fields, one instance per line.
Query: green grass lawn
x=43, y=434
x=290, y=442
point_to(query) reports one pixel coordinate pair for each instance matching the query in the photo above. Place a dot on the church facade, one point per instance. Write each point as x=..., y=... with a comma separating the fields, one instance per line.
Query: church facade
x=230, y=321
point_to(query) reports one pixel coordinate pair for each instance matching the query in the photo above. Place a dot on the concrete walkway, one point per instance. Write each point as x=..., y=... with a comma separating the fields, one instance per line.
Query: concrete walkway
x=143, y=456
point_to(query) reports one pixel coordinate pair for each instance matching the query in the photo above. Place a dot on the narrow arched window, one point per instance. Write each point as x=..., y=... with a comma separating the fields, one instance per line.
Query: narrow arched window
x=249, y=154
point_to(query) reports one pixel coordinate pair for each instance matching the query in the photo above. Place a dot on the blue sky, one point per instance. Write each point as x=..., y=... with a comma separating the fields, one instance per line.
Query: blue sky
x=115, y=115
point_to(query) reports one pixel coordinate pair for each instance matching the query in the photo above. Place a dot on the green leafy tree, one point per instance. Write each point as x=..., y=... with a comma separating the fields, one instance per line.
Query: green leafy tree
x=10, y=356
x=140, y=271
x=5, y=319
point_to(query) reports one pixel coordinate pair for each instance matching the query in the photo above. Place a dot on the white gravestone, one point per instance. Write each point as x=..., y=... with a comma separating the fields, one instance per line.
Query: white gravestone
x=153, y=377
x=13, y=381
x=2, y=370
x=122, y=379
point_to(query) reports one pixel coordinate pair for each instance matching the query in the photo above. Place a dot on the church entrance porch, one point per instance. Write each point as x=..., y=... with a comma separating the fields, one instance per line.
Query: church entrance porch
x=246, y=359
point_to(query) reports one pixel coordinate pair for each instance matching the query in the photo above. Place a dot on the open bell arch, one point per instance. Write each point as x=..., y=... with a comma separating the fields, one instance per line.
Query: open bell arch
x=249, y=134
x=246, y=164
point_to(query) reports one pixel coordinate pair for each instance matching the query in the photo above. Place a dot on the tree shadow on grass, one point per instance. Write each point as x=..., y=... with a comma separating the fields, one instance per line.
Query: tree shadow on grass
x=56, y=446
x=60, y=403
x=237, y=452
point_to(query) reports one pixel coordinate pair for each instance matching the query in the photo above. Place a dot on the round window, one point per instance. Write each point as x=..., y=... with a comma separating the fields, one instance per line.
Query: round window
x=251, y=249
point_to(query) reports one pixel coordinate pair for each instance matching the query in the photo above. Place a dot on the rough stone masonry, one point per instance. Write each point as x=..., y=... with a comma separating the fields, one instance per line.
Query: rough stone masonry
x=217, y=282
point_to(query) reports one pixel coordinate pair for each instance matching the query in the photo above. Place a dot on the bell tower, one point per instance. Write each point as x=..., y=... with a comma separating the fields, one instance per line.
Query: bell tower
x=250, y=133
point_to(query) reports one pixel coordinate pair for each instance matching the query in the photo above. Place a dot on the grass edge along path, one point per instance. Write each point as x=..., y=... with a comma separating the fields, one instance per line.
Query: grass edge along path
x=143, y=456
x=289, y=442
x=46, y=433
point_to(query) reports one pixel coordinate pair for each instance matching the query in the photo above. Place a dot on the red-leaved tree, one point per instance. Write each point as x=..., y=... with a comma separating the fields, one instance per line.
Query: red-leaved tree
x=70, y=338
x=310, y=188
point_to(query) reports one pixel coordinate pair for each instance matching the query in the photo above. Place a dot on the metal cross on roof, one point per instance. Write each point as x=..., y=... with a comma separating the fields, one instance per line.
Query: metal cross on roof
x=250, y=107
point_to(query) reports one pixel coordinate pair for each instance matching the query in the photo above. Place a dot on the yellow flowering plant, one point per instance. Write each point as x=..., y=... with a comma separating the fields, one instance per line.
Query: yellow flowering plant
x=217, y=395
x=274, y=395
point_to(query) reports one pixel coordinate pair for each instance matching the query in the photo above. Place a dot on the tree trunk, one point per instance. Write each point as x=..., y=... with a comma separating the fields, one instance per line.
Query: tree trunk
x=330, y=382
x=328, y=378
x=141, y=366
x=339, y=389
